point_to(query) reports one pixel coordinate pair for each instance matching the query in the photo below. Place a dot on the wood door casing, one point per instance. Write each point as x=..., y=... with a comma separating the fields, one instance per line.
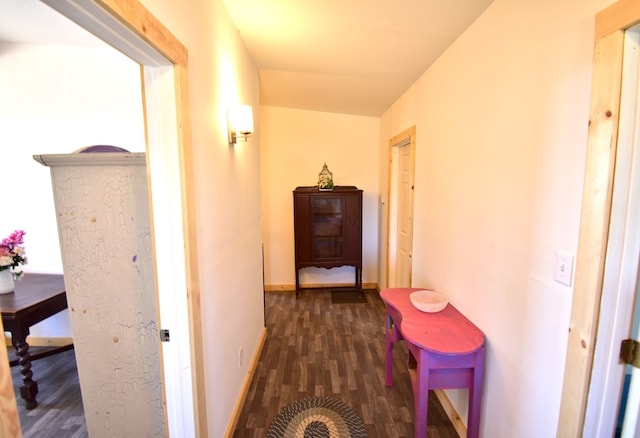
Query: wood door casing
x=400, y=212
x=611, y=24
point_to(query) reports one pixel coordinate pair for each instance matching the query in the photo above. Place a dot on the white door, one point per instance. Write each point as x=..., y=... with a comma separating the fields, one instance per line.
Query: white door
x=401, y=213
x=405, y=216
x=620, y=280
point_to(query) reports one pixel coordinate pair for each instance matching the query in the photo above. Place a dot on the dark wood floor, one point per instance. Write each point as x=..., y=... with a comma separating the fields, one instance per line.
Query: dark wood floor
x=316, y=348
x=60, y=413
x=313, y=348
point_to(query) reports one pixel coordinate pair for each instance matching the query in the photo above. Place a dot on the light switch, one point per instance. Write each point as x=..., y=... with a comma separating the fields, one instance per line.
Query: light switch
x=564, y=268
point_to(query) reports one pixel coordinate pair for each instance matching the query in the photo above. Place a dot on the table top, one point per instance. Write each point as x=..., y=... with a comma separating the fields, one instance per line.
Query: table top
x=32, y=290
x=444, y=332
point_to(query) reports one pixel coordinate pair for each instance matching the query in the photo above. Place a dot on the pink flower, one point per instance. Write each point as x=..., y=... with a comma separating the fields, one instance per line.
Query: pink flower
x=12, y=255
x=15, y=238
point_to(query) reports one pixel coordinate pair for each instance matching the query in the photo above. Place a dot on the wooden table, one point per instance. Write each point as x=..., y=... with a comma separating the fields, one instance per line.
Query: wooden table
x=446, y=351
x=36, y=297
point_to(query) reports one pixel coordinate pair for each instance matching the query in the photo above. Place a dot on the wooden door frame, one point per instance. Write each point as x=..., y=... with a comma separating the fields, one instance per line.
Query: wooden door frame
x=611, y=24
x=129, y=27
x=407, y=133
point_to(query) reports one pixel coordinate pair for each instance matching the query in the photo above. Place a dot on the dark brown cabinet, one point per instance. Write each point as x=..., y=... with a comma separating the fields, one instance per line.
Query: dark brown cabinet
x=328, y=229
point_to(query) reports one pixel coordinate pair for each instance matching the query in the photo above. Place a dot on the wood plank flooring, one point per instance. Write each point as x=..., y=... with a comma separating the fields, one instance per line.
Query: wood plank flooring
x=59, y=413
x=315, y=348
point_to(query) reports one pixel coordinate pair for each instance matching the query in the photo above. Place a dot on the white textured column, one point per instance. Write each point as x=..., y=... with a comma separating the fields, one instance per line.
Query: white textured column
x=102, y=209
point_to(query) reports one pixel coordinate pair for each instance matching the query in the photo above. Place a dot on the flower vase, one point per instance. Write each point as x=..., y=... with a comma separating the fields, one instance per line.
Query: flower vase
x=7, y=284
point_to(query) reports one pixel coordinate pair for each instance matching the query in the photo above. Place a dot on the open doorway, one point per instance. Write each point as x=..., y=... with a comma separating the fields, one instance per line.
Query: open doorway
x=621, y=265
x=164, y=73
x=582, y=375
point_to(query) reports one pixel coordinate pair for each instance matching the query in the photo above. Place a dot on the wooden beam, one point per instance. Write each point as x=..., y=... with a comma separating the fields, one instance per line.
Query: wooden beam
x=451, y=412
x=188, y=185
x=142, y=22
x=594, y=230
x=9, y=419
x=619, y=16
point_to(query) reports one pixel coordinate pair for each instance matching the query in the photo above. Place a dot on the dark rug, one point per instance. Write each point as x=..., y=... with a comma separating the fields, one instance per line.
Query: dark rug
x=348, y=296
x=317, y=417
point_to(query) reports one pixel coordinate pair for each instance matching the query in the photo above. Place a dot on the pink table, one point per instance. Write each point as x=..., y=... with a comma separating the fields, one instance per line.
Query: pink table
x=446, y=351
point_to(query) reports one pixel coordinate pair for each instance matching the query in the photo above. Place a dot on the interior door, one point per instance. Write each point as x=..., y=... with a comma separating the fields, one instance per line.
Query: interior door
x=401, y=209
x=405, y=217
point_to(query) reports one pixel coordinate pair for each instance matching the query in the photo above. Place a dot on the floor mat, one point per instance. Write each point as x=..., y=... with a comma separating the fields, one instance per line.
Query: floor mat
x=317, y=417
x=348, y=296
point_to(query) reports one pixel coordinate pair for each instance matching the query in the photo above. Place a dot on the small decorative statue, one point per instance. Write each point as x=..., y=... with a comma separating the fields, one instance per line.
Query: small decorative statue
x=325, y=179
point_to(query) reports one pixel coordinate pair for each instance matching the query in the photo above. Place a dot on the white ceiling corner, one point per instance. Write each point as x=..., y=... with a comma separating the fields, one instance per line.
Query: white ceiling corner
x=343, y=56
x=346, y=56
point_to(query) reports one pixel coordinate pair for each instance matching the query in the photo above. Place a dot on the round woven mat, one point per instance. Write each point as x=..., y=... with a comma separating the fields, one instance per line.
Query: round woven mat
x=317, y=417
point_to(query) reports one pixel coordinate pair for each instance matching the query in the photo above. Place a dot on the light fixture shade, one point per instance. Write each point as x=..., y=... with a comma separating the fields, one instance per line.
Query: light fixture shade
x=240, y=123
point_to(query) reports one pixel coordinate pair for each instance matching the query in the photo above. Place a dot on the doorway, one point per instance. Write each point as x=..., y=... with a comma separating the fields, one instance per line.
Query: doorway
x=583, y=394
x=401, y=189
x=164, y=74
x=622, y=254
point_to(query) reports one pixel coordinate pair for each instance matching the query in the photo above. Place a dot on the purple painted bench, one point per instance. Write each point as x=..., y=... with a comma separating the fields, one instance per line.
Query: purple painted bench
x=446, y=351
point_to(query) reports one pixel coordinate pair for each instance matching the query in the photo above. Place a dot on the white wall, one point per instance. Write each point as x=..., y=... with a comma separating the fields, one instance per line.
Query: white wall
x=227, y=191
x=294, y=146
x=227, y=179
x=501, y=141
x=57, y=99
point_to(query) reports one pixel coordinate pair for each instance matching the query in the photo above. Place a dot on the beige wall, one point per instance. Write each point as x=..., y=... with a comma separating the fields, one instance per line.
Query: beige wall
x=294, y=146
x=501, y=140
x=227, y=181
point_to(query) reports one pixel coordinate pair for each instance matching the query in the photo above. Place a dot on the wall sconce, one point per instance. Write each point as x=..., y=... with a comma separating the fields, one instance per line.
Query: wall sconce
x=240, y=123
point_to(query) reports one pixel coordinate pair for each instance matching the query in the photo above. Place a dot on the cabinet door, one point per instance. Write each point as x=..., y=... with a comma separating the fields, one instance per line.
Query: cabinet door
x=301, y=221
x=327, y=227
x=352, y=234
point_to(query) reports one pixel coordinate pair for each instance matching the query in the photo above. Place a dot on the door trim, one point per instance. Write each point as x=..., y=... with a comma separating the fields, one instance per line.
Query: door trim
x=130, y=28
x=611, y=24
x=621, y=265
x=409, y=133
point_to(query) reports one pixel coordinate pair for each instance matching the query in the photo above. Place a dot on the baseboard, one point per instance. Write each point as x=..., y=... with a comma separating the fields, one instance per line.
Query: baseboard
x=42, y=341
x=451, y=412
x=292, y=287
x=235, y=416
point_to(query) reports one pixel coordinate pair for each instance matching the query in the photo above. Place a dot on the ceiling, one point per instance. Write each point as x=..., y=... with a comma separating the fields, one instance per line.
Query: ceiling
x=343, y=56
x=33, y=22
x=346, y=56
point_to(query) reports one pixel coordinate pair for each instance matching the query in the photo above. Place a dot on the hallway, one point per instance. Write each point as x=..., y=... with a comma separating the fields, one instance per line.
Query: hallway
x=316, y=348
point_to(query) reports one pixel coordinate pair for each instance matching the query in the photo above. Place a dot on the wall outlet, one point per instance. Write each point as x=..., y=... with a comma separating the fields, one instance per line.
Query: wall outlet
x=564, y=268
x=240, y=356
